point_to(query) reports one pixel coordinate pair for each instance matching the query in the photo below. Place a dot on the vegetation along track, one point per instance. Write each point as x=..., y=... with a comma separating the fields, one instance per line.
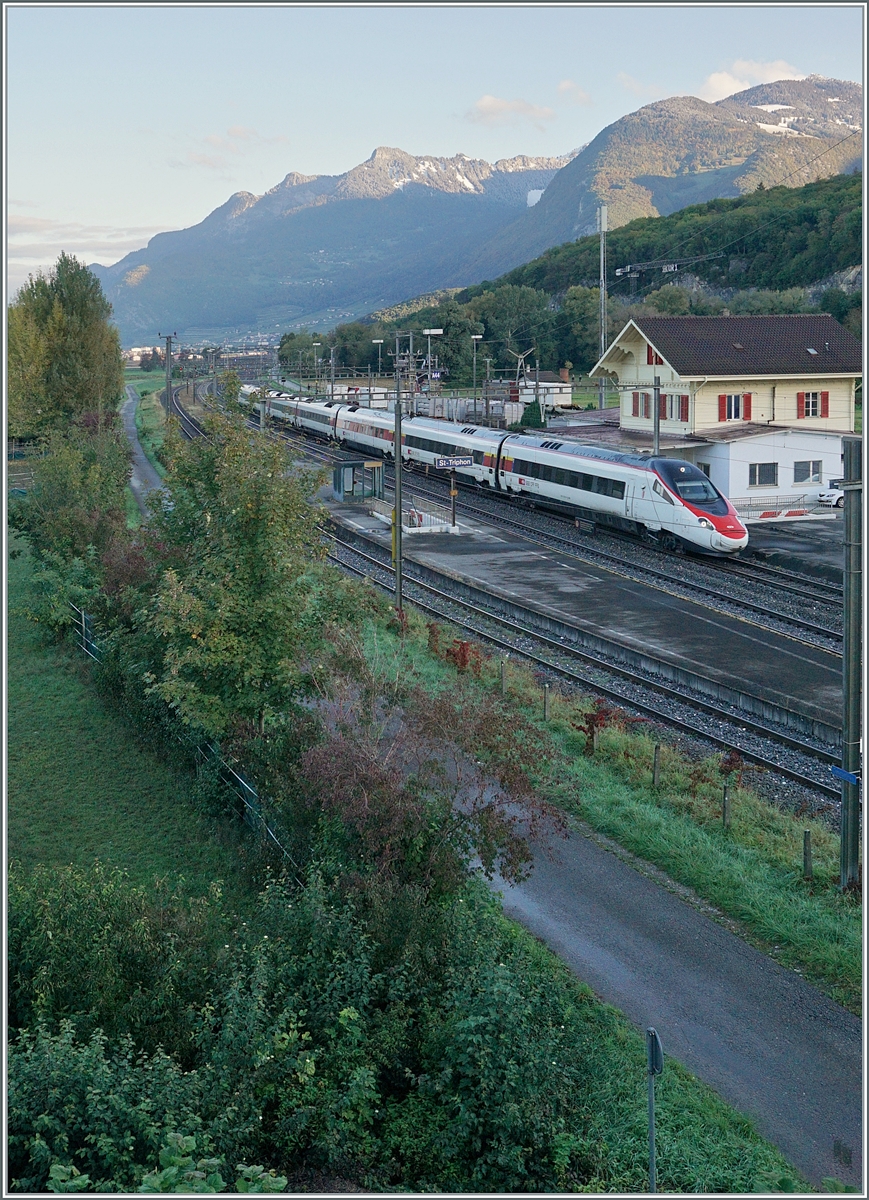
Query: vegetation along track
x=766, y=745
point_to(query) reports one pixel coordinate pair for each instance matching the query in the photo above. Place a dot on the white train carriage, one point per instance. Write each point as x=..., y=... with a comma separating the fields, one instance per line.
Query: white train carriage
x=670, y=500
x=364, y=429
x=425, y=440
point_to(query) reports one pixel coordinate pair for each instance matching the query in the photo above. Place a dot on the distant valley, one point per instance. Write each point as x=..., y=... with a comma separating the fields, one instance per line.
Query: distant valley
x=320, y=250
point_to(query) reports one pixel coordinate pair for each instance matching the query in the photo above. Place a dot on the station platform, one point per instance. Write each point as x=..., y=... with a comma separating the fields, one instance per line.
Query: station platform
x=727, y=649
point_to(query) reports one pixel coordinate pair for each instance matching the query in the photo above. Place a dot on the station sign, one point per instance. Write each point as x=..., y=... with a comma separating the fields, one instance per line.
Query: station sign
x=450, y=464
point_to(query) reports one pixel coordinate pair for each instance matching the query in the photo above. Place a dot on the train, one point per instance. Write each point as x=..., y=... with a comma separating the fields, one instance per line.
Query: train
x=665, y=501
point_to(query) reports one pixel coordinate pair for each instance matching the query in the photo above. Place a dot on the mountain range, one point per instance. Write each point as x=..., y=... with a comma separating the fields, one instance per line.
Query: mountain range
x=319, y=250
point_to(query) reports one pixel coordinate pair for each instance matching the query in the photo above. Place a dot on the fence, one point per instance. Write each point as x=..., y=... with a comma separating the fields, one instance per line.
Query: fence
x=205, y=753
x=417, y=516
x=759, y=508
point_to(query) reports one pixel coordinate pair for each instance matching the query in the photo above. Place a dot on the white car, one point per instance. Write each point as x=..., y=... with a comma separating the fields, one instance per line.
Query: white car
x=832, y=496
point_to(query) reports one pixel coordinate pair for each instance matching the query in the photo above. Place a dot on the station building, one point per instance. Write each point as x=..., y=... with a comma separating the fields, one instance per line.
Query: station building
x=758, y=403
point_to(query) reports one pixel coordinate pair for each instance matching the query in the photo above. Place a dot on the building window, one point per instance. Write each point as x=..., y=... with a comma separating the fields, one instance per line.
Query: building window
x=763, y=474
x=813, y=404
x=706, y=468
x=807, y=472
x=734, y=408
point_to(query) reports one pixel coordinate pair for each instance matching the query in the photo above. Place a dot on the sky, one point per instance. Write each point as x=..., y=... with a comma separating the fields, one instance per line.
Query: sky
x=123, y=121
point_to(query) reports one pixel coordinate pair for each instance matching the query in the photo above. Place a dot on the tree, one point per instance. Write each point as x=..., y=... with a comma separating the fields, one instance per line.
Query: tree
x=232, y=609
x=516, y=319
x=61, y=322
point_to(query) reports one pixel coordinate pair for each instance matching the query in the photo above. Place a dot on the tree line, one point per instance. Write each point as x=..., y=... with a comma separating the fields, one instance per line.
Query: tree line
x=774, y=243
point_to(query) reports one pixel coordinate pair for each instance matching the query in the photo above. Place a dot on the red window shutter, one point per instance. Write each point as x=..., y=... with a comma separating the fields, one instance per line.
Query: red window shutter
x=722, y=408
x=746, y=406
x=647, y=405
x=825, y=404
x=650, y=356
x=662, y=407
x=635, y=410
x=683, y=408
x=801, y=405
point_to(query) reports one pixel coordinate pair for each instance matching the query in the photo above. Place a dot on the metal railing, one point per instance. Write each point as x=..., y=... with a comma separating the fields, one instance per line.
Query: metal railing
x=415, y=514
x=759, y=507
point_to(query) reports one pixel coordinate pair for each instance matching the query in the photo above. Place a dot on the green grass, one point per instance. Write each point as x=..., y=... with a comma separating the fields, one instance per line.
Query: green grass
x=752, y=872
x=703, y=1145
x=151, y=428
x=134, y=515
x=80, y=787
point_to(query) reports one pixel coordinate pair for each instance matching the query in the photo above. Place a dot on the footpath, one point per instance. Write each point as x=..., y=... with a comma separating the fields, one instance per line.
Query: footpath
x=144, y=478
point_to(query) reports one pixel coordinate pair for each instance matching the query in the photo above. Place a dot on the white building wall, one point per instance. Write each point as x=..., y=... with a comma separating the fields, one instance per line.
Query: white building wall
x=730, y=462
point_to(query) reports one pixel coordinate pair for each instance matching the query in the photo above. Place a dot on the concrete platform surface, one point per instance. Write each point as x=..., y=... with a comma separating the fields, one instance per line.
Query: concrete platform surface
x=727, y=649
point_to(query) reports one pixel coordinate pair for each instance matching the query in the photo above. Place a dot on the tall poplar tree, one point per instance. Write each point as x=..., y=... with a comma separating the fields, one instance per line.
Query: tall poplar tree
x=64, y=356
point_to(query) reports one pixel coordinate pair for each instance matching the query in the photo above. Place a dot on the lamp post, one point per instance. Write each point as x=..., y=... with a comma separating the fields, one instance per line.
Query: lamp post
x=332, y=374
x=476, y=337
x=430, y=333
x=316, y=346
x=378, y=342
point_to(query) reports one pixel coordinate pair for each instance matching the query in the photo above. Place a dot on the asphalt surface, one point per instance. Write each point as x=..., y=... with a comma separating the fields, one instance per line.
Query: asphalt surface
x=144, y=478
x=769, y=1043
x=725, y=648
x=815, y=547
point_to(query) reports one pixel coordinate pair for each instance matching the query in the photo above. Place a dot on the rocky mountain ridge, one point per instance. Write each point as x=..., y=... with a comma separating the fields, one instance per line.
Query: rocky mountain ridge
x=322, y=249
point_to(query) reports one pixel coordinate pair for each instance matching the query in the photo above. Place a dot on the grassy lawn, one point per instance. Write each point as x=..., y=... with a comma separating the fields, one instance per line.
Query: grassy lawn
x=80, y=787
x=145, y=381
x=751, y=872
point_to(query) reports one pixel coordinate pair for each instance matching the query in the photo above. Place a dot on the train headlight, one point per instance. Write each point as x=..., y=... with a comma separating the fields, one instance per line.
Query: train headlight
x=704, y=524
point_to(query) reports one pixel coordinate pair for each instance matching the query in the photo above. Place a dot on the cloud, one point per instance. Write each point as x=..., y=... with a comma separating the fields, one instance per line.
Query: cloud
x=35, y=244
x=645, y=91
x=237, y=140
x=745, y=73
x=491, y=110
x=572, y=92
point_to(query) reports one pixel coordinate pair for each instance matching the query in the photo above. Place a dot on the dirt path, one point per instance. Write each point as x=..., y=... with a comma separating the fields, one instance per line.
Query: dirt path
x=144, y=478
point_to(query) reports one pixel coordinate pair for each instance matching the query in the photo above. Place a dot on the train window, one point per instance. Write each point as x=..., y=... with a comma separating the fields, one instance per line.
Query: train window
x=661, y=491
x=692, y=485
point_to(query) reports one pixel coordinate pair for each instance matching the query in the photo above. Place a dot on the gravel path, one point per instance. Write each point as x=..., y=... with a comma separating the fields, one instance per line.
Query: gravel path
x=144, y=478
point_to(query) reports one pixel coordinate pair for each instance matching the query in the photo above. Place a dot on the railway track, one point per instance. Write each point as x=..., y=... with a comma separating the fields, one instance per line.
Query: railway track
x=738, y=732
x=751, y=738
x=823, y=636
x=493, y=510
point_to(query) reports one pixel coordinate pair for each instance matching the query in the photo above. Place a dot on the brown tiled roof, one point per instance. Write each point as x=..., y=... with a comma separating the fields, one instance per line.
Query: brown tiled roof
x=732, y=346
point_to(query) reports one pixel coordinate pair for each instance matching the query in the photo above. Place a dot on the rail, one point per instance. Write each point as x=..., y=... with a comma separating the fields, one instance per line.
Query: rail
x=417, y=516
x=760, y=508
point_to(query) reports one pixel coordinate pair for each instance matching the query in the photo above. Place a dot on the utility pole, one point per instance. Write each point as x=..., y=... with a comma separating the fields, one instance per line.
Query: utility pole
x=602, y=227
x=378, y=342
x=656, y=416
x=316, y=346
x=332, y=373
x=168, y=337
x=475, y=337
x=537, y=389
x=852, y=661
x=397, y=451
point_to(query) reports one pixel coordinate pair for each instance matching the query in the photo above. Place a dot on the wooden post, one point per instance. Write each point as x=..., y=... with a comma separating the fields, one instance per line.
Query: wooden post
x=546, y=702
x=503, y=677
x=656, y=767
x=725, y=808
x=594, y=734
x=807, y=854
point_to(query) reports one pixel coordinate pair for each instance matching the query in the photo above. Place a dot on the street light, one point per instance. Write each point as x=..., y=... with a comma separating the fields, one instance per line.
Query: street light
x=476, y=337
x=316, y=346
x=378, y=342
x=430, y=333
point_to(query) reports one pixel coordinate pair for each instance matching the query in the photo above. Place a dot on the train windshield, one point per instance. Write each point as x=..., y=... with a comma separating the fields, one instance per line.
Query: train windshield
x=689, y=483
